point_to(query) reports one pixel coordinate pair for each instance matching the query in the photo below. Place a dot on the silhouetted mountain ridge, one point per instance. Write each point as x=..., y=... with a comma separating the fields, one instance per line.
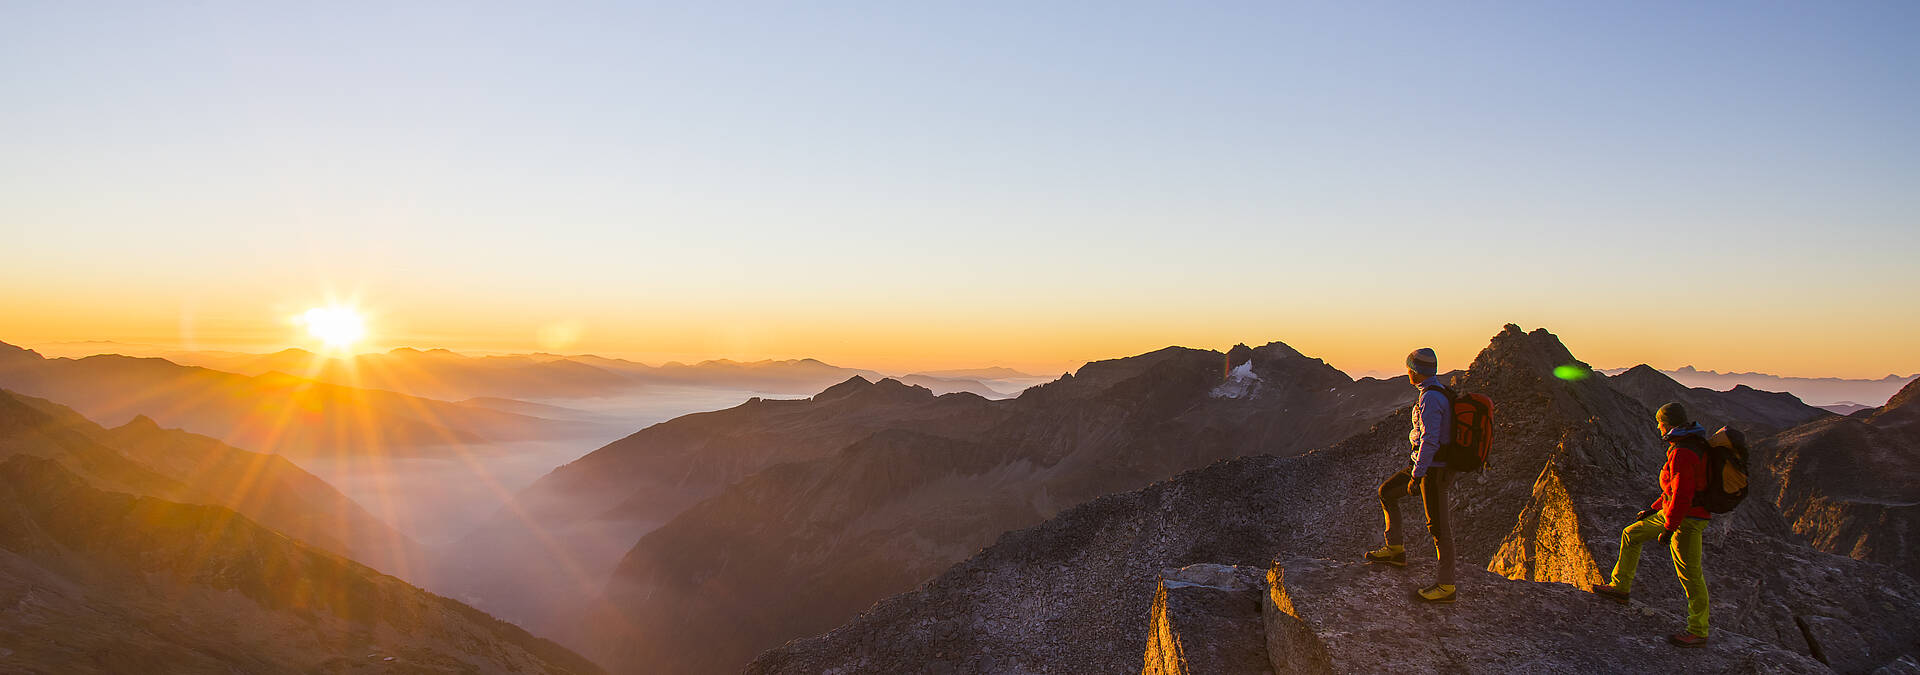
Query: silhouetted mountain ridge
x=1758, y=413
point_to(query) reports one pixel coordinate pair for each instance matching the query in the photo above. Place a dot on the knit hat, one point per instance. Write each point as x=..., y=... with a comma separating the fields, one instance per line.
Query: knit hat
x=1673, y=415
x=1423, y=361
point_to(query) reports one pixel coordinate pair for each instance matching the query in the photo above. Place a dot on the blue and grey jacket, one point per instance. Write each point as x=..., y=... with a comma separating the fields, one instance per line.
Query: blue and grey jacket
x=1432, y=424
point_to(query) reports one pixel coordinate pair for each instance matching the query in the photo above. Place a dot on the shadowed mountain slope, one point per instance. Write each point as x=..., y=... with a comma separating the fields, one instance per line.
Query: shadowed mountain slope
x=104, y=582
x=572, y=526
x=1851, y=485
x=142, y=458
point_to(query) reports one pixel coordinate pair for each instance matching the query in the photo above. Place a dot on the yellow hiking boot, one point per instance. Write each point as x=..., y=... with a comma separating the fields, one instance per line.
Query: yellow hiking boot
x=1388, y=555
x=1435, y=593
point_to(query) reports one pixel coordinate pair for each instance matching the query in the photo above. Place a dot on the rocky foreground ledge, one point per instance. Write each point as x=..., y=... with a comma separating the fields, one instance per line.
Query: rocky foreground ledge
x=1305, y=615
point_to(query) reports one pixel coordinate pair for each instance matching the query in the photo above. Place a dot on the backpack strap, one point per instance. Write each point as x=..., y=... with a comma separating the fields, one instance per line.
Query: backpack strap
x=1444, y=391
x=1704, y=450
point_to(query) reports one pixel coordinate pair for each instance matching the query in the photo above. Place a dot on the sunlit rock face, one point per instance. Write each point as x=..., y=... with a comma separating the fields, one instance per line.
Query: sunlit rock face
x=1547, y=543
x=1573, y=461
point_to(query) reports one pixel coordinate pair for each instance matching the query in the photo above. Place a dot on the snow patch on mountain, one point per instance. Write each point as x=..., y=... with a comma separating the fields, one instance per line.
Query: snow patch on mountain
x=1241, y=383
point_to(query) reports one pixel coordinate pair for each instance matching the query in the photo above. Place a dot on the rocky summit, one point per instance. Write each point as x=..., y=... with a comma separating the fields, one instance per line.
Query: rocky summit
x=1252, y=563
x=1305, y=615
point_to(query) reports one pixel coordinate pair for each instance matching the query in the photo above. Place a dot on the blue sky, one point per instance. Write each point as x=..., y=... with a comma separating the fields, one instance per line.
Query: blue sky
x=758, y=178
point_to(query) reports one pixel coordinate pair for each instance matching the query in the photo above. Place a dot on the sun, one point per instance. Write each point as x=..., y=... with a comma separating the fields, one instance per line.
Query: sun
x=339, y=327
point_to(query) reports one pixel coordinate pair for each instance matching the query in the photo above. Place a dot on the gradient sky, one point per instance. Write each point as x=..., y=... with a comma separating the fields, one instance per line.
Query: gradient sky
x=1729, y=185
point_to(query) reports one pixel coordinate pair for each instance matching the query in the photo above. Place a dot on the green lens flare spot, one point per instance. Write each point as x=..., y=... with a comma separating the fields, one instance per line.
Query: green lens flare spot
x=1572, y=372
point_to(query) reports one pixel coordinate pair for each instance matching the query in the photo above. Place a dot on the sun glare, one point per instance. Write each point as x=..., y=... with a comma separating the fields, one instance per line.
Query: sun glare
x=339, y=327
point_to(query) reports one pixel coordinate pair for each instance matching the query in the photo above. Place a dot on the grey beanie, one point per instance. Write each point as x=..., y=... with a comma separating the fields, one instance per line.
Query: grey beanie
x=1423, y=361
x=1673, y=415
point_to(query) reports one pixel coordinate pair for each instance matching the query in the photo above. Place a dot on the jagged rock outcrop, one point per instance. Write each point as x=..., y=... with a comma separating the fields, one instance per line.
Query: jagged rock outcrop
x=1851, y=485
x=799, y=548
x=1201, y=619
x=1574, y=460
x=105, y=582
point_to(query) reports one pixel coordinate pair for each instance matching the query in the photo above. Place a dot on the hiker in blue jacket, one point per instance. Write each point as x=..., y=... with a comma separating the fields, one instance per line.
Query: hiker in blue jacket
x=1425, y=475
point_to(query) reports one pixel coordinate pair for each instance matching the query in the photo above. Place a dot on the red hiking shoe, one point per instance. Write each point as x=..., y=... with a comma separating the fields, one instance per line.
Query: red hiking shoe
x=1686, y=639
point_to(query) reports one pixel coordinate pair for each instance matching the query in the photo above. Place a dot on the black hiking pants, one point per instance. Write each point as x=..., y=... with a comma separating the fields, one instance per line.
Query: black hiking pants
x=1433, y=495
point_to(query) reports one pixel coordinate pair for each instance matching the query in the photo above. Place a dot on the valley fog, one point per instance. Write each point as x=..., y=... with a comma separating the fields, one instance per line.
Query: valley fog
x=442, y=492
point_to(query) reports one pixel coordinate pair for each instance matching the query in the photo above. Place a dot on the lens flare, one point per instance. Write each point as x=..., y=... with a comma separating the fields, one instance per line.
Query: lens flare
x=1572, y=372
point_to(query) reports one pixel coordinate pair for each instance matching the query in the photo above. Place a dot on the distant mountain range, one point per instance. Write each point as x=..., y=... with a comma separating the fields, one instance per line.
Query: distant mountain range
x=1820, y=391
x=447, y=375
x=270, y=412
x=1757, y=413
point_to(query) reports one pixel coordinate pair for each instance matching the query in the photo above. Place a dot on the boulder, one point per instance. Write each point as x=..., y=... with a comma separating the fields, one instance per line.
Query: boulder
x=1204, y=621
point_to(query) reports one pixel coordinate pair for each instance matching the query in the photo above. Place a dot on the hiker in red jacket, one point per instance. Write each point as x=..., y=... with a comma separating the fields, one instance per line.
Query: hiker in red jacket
x=1676, y=520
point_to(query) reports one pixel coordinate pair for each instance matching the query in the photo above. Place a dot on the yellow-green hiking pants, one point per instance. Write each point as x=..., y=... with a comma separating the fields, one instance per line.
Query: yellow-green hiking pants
x=1686, y=562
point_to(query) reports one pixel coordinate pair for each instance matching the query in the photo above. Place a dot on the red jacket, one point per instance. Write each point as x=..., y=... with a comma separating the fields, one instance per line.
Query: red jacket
x=1684, y=475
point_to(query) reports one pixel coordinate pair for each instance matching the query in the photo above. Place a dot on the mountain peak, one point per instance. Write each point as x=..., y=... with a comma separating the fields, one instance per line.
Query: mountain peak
x=1906, y=402
x=9, y=350
x=140, y=423
x=846, y=388
x=1649, y=380
x=1514, y=352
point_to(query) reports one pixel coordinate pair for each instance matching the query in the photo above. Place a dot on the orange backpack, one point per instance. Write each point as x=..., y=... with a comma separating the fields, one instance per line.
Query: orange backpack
x=1472, y=431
